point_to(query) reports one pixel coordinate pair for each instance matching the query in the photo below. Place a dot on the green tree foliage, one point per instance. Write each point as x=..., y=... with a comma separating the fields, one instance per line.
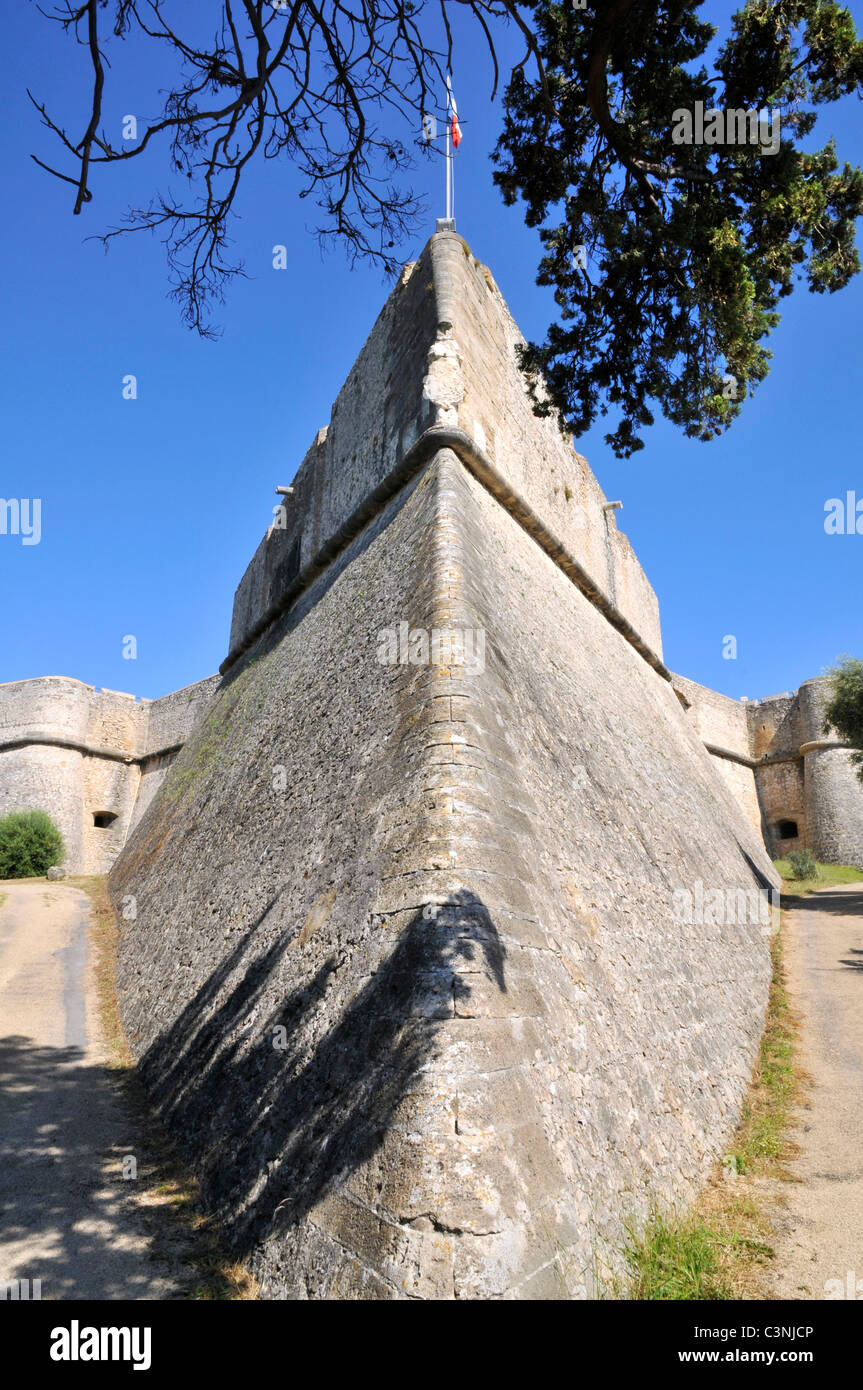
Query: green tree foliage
x=688, y=247
x=844, y=712
x=29, y=844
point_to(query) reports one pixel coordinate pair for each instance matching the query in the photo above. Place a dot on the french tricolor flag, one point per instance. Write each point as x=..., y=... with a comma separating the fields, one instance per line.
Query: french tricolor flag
x=454, y=127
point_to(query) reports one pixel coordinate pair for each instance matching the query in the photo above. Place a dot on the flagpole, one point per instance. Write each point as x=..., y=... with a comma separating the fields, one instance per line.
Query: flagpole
x=448, y=153
x=453, y=140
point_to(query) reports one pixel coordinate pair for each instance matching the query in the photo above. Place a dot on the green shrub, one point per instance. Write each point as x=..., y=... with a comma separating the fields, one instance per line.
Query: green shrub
x=29, y=844
x=803, y=863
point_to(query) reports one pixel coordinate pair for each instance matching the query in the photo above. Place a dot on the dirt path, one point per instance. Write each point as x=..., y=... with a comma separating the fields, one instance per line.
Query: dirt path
x=67, y=1216
x=820, y=1222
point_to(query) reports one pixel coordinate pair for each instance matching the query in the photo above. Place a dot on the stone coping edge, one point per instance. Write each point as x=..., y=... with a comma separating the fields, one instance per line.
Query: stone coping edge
x=91, y=750
x=430, y=442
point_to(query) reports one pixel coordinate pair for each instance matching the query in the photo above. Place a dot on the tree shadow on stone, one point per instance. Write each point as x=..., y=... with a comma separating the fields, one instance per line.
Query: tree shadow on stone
x=278, y=1106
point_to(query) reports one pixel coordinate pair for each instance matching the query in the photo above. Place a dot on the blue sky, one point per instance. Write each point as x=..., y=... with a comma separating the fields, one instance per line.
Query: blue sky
x=152, y=508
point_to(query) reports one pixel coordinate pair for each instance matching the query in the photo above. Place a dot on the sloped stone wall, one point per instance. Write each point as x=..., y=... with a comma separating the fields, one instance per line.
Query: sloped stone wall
x=377, y=415
x=495, y=409
x=406, y=978
x=723, y=725
x=443, y=352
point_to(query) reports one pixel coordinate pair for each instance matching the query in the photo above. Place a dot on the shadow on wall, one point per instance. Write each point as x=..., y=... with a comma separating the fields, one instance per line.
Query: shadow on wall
x=764, y=883
x=272, y=1130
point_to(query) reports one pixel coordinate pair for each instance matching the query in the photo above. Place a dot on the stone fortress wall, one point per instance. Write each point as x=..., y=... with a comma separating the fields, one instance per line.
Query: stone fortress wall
x=537, y=461
x=796, y=785
x=91, y=758
x=431, y=373
x=832, y=800
x=399, y=393
x=412, y=944
x=721, y=724
x=79, y=753
x=407, y=945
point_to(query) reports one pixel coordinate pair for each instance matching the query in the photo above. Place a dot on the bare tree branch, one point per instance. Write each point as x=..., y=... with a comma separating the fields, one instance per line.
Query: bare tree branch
x=310, y=81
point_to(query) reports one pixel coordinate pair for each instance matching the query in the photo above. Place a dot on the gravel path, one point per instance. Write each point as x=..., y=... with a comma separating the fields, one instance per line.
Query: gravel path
x=67, y=1215
x=819, y=1248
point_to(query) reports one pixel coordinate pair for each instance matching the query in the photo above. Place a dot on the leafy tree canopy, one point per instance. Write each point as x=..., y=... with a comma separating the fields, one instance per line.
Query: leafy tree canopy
x=688, y=247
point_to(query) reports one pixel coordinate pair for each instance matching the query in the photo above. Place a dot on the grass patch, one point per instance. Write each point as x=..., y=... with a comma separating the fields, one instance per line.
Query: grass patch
x=715, y=1250
x=689, y=1261
x=104, y=935
x=164, y=1183
x=763, y=1145
x=826, y=875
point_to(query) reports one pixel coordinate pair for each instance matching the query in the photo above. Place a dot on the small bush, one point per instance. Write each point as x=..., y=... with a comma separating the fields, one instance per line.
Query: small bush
x=803, y=863
x=29, y=844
